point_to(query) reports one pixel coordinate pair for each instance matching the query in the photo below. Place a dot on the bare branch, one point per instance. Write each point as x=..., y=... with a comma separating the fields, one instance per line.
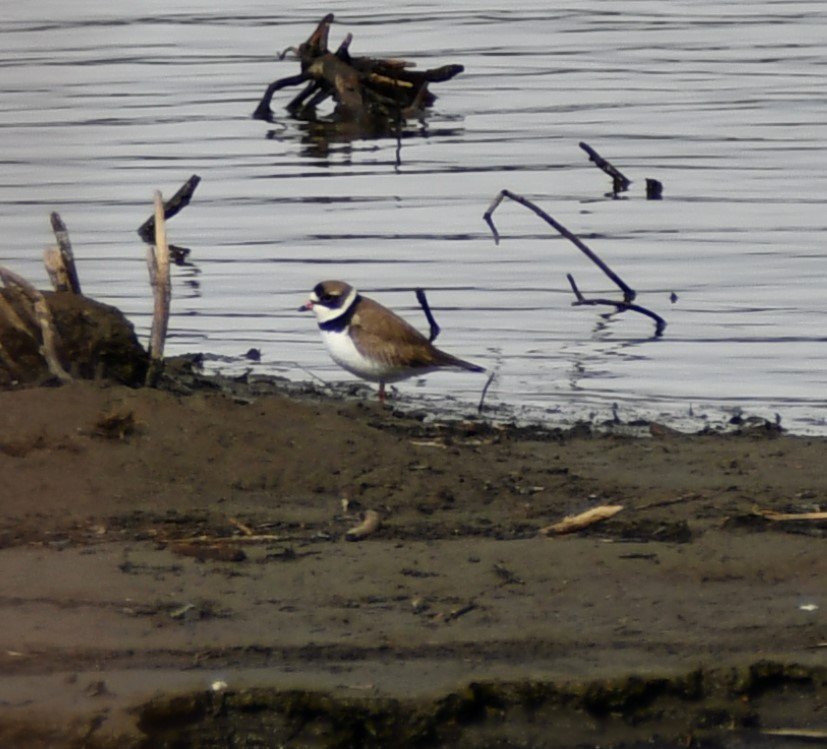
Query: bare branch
x=172, y=207
x=484, y=392
x=426, y=308
x=660, y=323
x=620, y=183
x=158, y=261
x=628, y=293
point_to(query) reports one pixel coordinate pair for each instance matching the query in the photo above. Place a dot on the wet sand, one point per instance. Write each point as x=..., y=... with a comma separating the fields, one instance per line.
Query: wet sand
x=177, y=572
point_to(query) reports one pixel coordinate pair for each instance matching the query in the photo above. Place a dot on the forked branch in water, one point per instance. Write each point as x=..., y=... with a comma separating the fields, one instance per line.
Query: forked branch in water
x=628, y=293
x=660, y=323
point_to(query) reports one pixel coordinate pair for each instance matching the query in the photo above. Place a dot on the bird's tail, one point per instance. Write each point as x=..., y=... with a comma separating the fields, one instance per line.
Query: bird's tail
x=453, y=361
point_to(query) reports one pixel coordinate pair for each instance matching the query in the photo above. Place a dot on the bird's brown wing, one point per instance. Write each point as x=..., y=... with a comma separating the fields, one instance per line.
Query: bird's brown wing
x=395, y=341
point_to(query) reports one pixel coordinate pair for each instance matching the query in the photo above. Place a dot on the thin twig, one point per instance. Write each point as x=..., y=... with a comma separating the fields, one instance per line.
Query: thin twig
x=683, y=499
x=785, y=516
x=660, y=323
x=485, y=391
x=426, y=308
x=628, y=293
x=243, y=527
x=461, y=611
x=620, y=183
x=242, y=539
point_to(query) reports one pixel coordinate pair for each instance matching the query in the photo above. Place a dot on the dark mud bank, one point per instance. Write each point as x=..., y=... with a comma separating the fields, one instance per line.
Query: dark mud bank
x=702, y=707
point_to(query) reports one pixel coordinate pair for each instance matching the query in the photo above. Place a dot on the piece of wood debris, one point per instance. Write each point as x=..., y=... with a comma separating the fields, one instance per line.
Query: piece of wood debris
x=461, y=611
x=254, y=539
x=56, y=268
x=67, y=255
x=243, y=527
x=370, y=524
x=778, y=516
x=429, y=443
x=159, y=276
x=171, y=208
x=811, y=734
x=583, y=520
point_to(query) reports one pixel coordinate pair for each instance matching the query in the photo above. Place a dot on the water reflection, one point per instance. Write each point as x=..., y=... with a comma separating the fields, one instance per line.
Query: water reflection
x=326, y=138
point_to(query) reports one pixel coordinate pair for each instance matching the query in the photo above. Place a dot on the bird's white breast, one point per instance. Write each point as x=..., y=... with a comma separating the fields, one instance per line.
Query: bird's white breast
x=344, y=352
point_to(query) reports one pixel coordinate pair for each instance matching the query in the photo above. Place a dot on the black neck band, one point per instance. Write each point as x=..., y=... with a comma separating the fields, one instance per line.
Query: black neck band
x=338, y=324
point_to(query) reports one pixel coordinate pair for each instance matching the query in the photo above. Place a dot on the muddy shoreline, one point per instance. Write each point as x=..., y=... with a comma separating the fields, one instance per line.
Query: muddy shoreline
x=178, y=574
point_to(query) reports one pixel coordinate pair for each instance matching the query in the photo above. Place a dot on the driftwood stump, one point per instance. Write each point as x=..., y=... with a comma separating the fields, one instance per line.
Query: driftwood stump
x=57, y=336
x=90, y=340
x=366, y=90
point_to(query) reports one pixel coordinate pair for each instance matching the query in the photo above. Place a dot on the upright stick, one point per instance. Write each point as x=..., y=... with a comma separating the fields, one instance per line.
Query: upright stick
x=620, y=182
x=66, y=253
x=158, y=262
x=57, y=270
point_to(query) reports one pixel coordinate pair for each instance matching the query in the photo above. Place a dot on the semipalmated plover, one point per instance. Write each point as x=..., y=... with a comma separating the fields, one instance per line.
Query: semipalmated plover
x=372, y=342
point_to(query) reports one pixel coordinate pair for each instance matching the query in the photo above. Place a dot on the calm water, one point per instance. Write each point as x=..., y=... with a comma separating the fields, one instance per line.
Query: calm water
x=101, y=104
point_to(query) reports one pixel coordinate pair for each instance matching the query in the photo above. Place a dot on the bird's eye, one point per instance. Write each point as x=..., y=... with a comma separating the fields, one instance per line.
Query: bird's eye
x=324, y=295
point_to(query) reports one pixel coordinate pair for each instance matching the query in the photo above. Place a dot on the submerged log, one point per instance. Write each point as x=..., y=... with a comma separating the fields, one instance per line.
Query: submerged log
x=364, y=88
